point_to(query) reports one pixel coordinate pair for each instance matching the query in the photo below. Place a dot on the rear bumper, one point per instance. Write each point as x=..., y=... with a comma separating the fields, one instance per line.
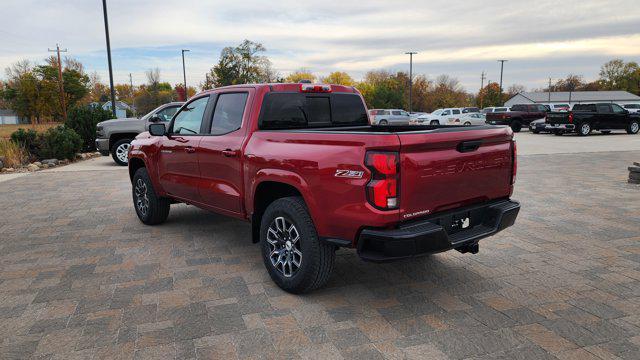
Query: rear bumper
x=102, y=145
x=563, y=127
x=438, y=233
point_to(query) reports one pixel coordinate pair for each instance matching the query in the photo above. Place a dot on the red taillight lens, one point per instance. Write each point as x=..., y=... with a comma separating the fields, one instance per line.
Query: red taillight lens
x=514, y=162
x=318, y=88
x=382, y=189
x=570, y=118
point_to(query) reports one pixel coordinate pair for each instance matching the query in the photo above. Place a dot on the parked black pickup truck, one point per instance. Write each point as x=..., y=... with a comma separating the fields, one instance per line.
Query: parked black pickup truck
x=519, y=116
x=584, y=118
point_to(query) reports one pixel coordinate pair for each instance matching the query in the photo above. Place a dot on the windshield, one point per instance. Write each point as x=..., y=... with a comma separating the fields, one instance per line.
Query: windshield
x=437, y=112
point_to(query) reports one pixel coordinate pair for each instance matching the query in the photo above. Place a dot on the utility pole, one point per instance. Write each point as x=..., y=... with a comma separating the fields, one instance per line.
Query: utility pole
x=410, y=53
x=60, y=81
x=549, y=90
x=501, y=70
x=482, y=77
x=184, y=74
x=131, y=93
x=106, y=31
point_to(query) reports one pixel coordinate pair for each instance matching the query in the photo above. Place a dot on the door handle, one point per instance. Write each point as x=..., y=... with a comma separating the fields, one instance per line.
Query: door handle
x=229, y=153
x=190, y=149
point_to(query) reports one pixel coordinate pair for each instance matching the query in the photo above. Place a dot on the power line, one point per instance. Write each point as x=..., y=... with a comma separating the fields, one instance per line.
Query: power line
x=60, y=81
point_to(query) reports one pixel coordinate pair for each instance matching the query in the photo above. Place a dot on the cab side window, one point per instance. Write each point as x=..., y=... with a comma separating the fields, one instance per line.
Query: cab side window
x=167, y=113
x=189, y=119
x=617, y=109
x=456, y=111
x=603, y=108
x=227, y=116
x=395, y=112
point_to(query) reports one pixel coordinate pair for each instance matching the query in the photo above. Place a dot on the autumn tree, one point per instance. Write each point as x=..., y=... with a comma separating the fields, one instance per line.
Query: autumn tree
x=300, y=74
x=338, y=78
x=242, y=64
x=489, y=96
x=618, y=75
x=154, y=93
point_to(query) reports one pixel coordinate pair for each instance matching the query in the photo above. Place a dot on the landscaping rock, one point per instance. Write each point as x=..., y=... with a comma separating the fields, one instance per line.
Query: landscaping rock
x=45, y=166
x=50, y=162
x=63, y=162
x=37, y=163
x=1, y=164
x=32, y=167
x=634, y=169
x=9, y=170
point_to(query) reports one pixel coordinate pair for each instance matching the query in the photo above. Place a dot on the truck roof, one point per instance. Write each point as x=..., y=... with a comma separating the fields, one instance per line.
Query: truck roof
x=286, y=87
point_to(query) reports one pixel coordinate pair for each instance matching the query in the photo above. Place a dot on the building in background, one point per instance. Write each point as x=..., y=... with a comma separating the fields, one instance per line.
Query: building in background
x=9, y=117
x=573, y=97
x=121, y=108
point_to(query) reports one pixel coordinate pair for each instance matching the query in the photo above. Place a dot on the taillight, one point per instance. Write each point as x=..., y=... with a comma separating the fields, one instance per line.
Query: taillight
x=570, y=118
x=514, y=161
x=382, y=189
x=318, y=88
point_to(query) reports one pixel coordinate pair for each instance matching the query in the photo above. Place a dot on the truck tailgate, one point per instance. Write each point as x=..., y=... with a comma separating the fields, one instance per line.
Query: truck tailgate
x=556, y=118
x=450, y=169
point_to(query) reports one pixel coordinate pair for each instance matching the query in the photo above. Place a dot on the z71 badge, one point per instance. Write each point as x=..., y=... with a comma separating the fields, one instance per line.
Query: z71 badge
x=353, y=174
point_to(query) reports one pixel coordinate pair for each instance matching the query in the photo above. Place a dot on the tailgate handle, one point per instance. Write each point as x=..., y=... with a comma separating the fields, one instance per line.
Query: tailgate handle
x=468, y=146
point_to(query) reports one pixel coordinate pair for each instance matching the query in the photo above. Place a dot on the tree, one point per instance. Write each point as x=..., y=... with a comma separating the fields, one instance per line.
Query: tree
x=240, y=65
x=448, y=92
x=300, y=74
x=381, y=89
x=489, y=96
x=618, y=75
x=154, y=93
x=515, y=89
x=338, y=78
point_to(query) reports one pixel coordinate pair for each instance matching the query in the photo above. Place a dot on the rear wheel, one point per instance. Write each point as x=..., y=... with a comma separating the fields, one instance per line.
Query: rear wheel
x=120, y=151
x=434, y=122
x=150, y=208
x=516, y=126
x=633, y=127
x=382, y=122
x=467, y=124
x=584, y=129
x=294, y=256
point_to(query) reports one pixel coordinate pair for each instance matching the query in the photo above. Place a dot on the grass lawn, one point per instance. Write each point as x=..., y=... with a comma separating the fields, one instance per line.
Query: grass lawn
x=6, y=130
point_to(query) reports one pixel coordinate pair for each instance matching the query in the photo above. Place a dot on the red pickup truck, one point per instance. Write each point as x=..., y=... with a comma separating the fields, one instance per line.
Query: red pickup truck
x=303, y=165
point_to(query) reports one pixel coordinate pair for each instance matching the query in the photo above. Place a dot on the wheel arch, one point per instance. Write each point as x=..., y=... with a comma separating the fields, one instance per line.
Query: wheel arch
x=115, y=137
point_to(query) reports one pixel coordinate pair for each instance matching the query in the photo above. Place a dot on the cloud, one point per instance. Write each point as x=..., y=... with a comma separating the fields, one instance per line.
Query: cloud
x=461, y=37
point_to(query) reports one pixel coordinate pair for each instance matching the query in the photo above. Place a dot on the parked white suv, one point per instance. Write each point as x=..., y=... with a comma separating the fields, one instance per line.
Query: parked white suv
x=632, y=108
x=389, y=117
x=441, y=116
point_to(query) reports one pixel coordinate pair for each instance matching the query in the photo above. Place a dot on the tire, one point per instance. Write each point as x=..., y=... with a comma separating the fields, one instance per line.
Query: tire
x=558, y=133
x=119, y=151
x=535, y=131
x=516, y=126
x=316, y=259
x=383, y=122
x=584, y=129
x=434, y=122
x=467, y=124
x=633, y=127
x=150, y=208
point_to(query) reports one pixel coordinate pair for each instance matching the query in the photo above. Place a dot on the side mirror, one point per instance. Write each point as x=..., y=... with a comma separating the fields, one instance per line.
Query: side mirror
x=154, y=118
x=157, y=129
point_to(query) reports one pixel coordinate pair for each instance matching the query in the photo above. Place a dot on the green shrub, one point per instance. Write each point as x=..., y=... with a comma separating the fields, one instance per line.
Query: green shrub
x=26, y=138
x=59, y=142
x=83, y=120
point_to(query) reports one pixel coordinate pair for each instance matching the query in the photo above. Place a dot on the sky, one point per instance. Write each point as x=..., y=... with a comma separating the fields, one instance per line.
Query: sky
x=541, y=39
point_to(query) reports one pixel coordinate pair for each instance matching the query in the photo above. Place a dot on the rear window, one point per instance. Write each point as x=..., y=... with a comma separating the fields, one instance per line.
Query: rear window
x=298, y=110
x=584, y=107
x=501, y=109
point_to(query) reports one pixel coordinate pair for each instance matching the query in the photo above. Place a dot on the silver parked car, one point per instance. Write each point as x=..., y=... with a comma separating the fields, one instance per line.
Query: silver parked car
x=114, y=136
x=389, y=117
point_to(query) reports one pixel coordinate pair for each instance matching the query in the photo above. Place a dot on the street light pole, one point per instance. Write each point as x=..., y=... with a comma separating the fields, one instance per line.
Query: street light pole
x=410, y=53
x=501, y=70
x=184, y=75
x=106, y=31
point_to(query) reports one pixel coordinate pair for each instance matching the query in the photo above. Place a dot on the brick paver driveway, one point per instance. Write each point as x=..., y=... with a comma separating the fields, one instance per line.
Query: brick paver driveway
x=81, y=277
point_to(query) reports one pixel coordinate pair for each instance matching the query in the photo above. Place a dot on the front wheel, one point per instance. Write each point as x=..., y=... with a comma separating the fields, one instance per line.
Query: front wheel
x=294, y=256
x=434, y=122
x=120, y=152
x=584, y=129
x=633, y=127
x=467, y=124
x=150, y=208
x=383, y=122
x=516, y=126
